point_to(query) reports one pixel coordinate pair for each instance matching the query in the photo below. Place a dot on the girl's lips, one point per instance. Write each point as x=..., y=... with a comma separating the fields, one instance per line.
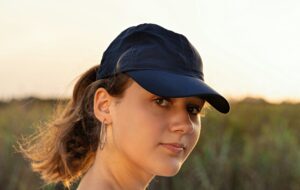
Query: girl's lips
x=173, y=147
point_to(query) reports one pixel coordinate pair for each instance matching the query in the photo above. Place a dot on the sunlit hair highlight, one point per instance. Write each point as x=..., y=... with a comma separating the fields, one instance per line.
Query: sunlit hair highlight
x=64, y=148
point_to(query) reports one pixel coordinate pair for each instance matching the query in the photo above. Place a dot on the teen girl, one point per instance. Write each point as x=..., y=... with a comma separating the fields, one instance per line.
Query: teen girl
x=135, y=116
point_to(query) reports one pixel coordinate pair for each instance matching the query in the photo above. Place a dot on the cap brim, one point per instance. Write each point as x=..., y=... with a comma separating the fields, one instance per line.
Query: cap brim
x=167, y=84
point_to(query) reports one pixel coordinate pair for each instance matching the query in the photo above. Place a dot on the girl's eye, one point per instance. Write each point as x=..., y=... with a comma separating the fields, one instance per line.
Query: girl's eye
x=193, y=109
x=162, y=101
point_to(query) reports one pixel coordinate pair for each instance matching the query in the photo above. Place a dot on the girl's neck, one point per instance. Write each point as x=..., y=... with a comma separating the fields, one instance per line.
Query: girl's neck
x=112, y=173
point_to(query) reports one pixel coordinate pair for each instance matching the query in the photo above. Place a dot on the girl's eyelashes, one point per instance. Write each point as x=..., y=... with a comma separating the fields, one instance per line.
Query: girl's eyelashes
x=193, y=109
x=162, y=101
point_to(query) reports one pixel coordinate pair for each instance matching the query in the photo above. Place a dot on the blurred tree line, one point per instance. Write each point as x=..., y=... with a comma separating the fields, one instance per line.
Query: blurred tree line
x=255, y=146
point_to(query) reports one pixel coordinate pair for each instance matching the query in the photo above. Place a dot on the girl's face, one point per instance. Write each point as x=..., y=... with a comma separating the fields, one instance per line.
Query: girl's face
x=152, y=133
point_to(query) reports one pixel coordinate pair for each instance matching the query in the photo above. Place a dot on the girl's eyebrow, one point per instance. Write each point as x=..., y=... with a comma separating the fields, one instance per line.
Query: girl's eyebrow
x=198, y=100
x=193, y=101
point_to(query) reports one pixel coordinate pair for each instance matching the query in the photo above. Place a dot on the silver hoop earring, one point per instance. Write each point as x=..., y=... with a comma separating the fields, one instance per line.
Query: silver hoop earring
x=102, y=139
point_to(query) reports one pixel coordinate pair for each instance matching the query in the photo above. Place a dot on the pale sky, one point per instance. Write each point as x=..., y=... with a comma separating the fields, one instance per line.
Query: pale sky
x=248, y=47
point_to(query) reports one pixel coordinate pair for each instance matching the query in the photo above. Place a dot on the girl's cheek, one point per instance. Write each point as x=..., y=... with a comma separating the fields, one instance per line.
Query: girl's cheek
x=158, y=112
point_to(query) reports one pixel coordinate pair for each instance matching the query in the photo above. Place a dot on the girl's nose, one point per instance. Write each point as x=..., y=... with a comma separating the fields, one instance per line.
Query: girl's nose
x=181, y=122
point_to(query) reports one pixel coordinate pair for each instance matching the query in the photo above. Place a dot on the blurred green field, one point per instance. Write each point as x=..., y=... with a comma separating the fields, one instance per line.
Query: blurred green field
x=254, y=147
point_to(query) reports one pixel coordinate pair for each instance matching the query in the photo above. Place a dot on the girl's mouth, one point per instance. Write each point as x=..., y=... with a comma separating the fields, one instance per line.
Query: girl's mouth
x=174, y=147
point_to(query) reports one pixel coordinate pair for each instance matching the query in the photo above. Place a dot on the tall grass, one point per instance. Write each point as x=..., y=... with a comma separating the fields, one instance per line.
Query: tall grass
x=19, y=117
x=256, y=146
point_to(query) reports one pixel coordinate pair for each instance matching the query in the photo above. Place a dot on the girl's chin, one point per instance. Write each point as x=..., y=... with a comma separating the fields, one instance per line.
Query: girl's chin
x=168, y=173
x=169, y=170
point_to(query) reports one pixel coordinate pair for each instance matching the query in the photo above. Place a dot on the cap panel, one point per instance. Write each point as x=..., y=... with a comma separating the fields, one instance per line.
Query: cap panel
x=150, y=47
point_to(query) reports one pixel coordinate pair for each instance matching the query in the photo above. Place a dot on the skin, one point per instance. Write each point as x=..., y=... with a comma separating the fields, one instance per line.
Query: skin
x=138, y=127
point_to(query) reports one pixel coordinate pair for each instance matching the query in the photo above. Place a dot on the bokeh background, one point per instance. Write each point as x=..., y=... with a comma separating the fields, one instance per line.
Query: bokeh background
x=250, y=50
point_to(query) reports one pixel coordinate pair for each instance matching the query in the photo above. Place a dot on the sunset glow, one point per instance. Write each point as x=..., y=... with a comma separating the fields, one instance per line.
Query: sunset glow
x=249, y=48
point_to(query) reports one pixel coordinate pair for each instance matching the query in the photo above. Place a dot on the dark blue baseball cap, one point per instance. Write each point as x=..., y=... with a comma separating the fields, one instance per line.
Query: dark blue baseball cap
x=163, y=62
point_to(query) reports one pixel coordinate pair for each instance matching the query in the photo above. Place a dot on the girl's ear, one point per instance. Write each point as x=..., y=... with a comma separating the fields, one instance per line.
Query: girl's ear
x=102, y=100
